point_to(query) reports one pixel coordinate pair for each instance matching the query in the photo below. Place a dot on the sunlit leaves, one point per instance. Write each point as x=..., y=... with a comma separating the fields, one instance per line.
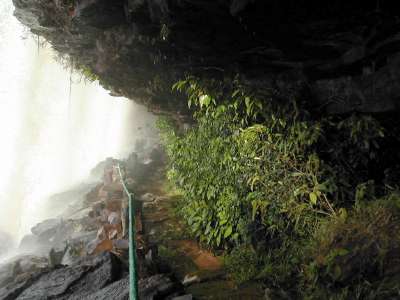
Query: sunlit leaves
x=205, y=100
x=313, y=198
x=228, y=231
x=240, y=171
x=249, y=159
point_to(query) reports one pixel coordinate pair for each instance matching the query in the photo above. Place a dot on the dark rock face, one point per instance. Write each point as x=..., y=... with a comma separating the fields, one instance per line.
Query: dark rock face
x=19, y=273
x=118, y=290
x=86, y=277
x=100, y=277
x=21, y=266
x=58, y=235
x=344, y=55
x=156, y=287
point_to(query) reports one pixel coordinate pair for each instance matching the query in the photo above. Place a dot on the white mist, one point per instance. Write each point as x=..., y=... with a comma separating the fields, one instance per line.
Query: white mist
x=48, y=140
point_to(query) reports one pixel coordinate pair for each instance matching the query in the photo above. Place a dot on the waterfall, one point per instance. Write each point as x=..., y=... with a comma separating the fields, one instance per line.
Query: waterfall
x=52, y=133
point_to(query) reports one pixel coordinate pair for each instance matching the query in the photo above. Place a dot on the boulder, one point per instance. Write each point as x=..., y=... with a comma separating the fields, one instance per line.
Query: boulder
x=118, y=290
x=183, y=297
x=98, y=13
x=47, y=228
x=19, y=272
x=157, y=287
x=29, y=242
x=114, y=218
x=148, y=197
x=78, y=281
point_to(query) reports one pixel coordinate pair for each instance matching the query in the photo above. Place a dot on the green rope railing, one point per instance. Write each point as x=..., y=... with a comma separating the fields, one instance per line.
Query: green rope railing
x=133, y=280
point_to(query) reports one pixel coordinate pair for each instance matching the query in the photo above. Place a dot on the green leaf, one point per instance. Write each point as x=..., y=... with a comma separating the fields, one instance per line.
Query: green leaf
x=337, y=272
x=247, y=101
x=343, y=213
x=313, y=198
x=218, y=240
x=297, y=174
x=179, y=85
x=228, y=232
x=235, y=93
x=205, y=100
x=249, y=105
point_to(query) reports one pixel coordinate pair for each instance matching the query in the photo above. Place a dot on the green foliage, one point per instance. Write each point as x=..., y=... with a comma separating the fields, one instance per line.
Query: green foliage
x=255, y=169
x=87, y=73
x=235, y=175
x=211, y=208
x=243, y=264
x=352, y=255
x=351, y=145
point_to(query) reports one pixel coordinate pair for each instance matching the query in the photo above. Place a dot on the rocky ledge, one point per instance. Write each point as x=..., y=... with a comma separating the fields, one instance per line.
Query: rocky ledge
x=83, y=254
x=98, y=277
x=341, y=56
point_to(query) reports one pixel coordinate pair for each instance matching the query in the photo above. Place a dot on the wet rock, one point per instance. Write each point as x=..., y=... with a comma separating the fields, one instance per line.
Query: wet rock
x=70, y=201
x=148, y=197
x=238, y=5
x=183, y=297
x=359, y=92
x=47, y=228
x=82, y=225
x=56, y=257
x=118, y=290
x=92, y=245
x=157, y=154
x=69, y=257
x=77, y=246
x=57, y=233
x=29, y=242
x=114, y=218
x=156, y=287
x=105, y=245
x=86, y=277
x=11, y=291
x=132, y=161
x=121, y=244
x=98, y=13
x=139, y=48
x=18, y=273
x=81, y=213
x=190, y=279
x=102, y=168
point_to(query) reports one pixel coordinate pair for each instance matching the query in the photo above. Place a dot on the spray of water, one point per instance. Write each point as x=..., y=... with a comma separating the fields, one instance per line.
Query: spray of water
x=50, y=139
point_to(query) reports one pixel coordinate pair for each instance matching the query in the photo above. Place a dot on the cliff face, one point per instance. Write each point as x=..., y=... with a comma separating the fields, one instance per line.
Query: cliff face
x=344, y=55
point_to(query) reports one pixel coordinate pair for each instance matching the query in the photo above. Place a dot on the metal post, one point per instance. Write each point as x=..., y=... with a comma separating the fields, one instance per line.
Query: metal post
x=133, y=283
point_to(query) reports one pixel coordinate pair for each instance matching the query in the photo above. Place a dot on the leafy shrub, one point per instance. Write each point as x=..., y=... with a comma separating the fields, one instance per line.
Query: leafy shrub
x=239, y=176
x=233, y=177
x=243, y=264
x=255, y=169
x=351, y=145
x=356, y=255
